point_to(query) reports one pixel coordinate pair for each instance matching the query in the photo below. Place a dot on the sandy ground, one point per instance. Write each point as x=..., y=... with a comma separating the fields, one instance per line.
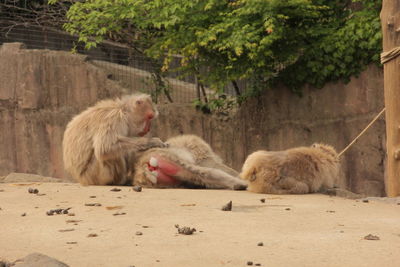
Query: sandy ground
x=307, y=230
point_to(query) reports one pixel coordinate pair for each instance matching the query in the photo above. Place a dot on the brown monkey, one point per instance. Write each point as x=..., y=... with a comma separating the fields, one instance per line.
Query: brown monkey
x=298, y=170
x=188, y=161
x=97, y=140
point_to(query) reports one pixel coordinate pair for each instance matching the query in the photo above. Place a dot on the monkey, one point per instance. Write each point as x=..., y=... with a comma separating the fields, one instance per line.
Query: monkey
x=187, y=162
x=97, y=141
x=299, y=170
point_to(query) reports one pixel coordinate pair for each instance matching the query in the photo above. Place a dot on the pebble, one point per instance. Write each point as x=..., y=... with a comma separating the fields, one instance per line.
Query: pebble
x=23, y=214
x=138, y=233
x=57, y=211
x=262, y=200
x=371, y=237
x=185, y=230
x=250, y=263
x=119, y=213
x=33, y=190
x=115, y=189
x=66, y=230
x=137, y=188
x=227, y=206
x=93, y=204
x=260, y=244
x=49, y=213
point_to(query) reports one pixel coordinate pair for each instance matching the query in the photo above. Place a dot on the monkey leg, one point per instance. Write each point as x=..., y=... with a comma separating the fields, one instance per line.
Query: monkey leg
x=211, y=163
x=111, y=172
x=293, y=185
x=168, y=173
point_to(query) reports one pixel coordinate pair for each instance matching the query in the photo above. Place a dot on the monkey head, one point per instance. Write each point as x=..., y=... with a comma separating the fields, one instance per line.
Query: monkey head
x=327, y=149
x=140, y=111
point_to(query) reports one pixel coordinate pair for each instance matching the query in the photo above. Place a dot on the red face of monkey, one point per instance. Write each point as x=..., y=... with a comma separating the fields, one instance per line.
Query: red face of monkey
x=148, y=112
x=143, y=112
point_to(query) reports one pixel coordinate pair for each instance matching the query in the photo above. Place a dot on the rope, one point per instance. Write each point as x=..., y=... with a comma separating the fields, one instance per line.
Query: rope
x=387, y=56
x=362, y=132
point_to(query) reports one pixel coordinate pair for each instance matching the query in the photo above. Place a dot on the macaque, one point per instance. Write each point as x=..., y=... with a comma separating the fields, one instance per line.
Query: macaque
x=299, y=170
x=188, y=162
x=97, y=141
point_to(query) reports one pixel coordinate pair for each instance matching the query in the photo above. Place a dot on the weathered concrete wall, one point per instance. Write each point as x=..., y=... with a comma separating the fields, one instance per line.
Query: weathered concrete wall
x=280, y=120
x=41, y=90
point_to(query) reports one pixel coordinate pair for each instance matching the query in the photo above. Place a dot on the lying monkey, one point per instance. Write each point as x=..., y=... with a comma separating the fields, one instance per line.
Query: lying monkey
x=188, y=161
x=298, y=170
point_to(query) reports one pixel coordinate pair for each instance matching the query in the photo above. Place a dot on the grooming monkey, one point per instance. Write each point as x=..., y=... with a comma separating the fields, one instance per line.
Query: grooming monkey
x=298, y=170
x=188, y=161
x=97, y=140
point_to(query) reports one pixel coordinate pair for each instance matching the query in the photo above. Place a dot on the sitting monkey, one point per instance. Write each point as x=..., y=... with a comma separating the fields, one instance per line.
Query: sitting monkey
x=298, y=170
x=188, y=161
x=97, y=141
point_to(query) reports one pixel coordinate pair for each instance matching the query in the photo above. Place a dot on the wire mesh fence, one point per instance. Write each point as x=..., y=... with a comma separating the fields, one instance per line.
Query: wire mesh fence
x=19, y=22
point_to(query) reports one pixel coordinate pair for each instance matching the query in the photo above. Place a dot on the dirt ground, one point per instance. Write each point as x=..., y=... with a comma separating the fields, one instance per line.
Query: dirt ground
x=138, y=228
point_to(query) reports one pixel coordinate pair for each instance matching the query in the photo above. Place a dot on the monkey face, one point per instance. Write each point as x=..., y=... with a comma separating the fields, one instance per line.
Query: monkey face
x=141, y=112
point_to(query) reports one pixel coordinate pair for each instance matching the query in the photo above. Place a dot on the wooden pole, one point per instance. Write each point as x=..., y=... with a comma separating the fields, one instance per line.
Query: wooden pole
x=390, y=21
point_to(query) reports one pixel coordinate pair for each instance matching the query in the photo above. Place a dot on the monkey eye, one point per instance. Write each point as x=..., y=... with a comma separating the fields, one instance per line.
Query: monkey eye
x=139, y=102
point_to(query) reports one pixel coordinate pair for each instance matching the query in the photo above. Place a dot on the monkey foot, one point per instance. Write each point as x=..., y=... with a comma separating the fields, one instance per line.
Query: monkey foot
x=163, y=170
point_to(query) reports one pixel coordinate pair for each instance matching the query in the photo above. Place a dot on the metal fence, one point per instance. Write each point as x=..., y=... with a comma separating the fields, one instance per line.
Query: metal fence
x=133, y=70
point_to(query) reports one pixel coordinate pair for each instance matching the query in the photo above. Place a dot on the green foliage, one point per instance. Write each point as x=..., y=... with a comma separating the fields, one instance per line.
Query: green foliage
x=292, y=41
x=218, y=103
x=344, y=51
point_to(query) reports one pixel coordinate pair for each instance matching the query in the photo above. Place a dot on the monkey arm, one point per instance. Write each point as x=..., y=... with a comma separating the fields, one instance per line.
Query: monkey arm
x=104, y=150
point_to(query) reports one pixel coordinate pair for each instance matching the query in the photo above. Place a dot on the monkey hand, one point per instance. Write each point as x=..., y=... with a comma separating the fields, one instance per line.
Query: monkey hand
x=240, y=186
x=156, y=142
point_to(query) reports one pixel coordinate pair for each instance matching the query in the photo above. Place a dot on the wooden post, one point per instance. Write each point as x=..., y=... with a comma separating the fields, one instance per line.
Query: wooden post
x=390, y=21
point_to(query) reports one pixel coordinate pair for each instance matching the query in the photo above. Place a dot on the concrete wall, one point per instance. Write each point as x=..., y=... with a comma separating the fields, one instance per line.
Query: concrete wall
x=41, y=90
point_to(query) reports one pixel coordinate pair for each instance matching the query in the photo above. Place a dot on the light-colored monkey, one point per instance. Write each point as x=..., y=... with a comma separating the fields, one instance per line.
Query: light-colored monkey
x=299, y=170
x=188, y=161
x=97, y=140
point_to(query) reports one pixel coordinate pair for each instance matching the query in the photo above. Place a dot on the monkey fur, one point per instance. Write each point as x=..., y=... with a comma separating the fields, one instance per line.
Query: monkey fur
x=97, y=140
x=299, y=170
x=188, y=161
